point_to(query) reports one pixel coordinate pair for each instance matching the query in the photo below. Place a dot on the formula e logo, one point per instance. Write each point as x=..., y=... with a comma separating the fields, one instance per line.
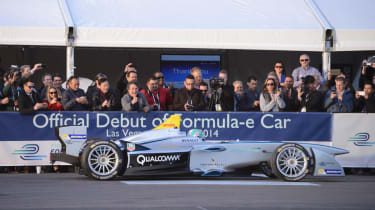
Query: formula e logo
x=29, y=152
x=361, y=139
x=141, y=159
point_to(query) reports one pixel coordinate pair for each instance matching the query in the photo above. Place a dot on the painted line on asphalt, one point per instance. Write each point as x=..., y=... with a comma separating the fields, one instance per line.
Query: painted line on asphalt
x=215, y=182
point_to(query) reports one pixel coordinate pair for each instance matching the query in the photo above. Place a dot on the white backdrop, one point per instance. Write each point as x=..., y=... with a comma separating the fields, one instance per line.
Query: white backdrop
x=356, y=133
x=28, y=153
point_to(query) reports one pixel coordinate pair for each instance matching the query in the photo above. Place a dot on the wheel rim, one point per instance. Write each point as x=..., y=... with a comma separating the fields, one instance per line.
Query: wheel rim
x=103, y=160
x=291, y=162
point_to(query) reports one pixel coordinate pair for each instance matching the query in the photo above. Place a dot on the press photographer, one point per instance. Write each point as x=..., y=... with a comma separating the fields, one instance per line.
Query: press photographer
x=222, y=93
x=311, y=100
x=367, y=71
x=188, y=98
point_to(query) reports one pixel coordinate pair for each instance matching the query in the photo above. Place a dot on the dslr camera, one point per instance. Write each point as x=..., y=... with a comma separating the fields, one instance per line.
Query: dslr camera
x=216, y=83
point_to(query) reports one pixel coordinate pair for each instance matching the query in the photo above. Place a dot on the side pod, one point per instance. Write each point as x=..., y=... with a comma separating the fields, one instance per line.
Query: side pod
x=326, y=164
x=71, y=139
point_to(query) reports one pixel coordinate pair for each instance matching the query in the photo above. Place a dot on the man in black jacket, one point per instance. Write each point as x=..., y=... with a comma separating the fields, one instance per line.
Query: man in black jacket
x=290, y=96
x=28, y=100
x=222, y=98
x=365, y=102
x=310, y=99
x=188, y=98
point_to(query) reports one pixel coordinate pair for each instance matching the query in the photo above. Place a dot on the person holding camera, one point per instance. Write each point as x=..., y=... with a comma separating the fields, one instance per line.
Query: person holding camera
x=270, y=98
x=367, y=71
x=222, y=93
x=338, y=99
x=365, y=100
x=134, y=100
x=127, y=75
x=104, y=98
x=188, y=98
x=53, y=100
x=157, y=97
x=74, y=98
x=310, y=99
x=28, y=100
x=13, y=88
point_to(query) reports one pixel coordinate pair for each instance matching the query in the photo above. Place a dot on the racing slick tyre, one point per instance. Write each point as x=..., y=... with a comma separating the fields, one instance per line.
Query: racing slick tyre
x=290, y=162
x=102, y=160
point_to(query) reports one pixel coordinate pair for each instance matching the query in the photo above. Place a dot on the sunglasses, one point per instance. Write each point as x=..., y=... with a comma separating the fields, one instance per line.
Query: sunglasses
x=303, y=60
x=203, y=91
x=52, y=92
x=160, y=77
x=270, y=84
x=279, y=67
x=31, y=87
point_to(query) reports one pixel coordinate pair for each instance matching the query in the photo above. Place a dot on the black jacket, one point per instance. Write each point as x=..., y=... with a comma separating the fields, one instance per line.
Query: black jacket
x=183, y=96
x=98, y=99
x=26, y=103
x=314, y=102
x=363, y=105
x=226, y=99
x=291, y=102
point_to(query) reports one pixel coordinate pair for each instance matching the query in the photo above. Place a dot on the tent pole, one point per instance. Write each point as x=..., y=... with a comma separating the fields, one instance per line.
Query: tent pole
x=326, y=56
x=69, y=61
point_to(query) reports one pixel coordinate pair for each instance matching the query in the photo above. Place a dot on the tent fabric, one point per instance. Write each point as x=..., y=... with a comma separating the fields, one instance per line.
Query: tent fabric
x=211, y=24
x=240, y=24
x=36, y=22
x=353, y=23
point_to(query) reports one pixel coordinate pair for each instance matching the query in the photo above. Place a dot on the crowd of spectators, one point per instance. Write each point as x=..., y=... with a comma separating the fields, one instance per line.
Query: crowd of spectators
x=305, y=90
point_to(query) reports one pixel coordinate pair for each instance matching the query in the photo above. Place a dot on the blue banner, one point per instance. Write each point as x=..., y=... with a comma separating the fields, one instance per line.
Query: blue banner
x=255, y=126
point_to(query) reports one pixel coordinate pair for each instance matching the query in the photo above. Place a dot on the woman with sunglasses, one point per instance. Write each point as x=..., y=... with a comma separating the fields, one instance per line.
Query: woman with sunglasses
x=270, y=98
x=53, y=101
x=279, y=71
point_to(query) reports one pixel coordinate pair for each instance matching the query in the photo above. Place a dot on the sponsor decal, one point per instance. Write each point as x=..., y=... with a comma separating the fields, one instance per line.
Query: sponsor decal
x=142, y=159
x=321, y=172
x=213, y=163
x=70, y=138
x=329, y=172
x=361, y=139
x=130, y=147
x=190, y=140
x=333, y=171
x=77, y=136
x=29, y=152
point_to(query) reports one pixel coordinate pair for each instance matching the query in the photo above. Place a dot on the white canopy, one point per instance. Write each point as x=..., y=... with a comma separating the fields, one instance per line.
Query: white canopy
x=247, y=24
x=353, y=22
x=297, y=25
x=31, y=22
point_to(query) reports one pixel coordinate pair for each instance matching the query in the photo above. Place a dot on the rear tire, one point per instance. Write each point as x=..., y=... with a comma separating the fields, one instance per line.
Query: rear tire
x=290, y=162
x=102, y=160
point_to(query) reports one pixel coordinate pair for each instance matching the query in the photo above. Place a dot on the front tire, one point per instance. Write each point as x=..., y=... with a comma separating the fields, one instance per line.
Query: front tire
x=290, y=162
x=102, y=160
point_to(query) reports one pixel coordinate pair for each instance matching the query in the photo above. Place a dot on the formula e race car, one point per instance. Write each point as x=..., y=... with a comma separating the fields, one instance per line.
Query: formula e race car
x=166, y=150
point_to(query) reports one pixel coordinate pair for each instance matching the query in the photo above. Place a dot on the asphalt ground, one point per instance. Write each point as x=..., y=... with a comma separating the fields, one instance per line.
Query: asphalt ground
x=73, y=191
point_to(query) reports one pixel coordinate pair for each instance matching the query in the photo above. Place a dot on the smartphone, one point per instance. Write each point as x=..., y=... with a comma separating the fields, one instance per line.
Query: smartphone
x=335, y=72
x=361, y=93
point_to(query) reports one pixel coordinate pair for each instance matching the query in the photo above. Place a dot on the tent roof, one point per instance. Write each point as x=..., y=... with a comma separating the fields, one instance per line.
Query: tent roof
x=211, y=24
x=249, y=24
x=36, y=22
x=353, y=22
